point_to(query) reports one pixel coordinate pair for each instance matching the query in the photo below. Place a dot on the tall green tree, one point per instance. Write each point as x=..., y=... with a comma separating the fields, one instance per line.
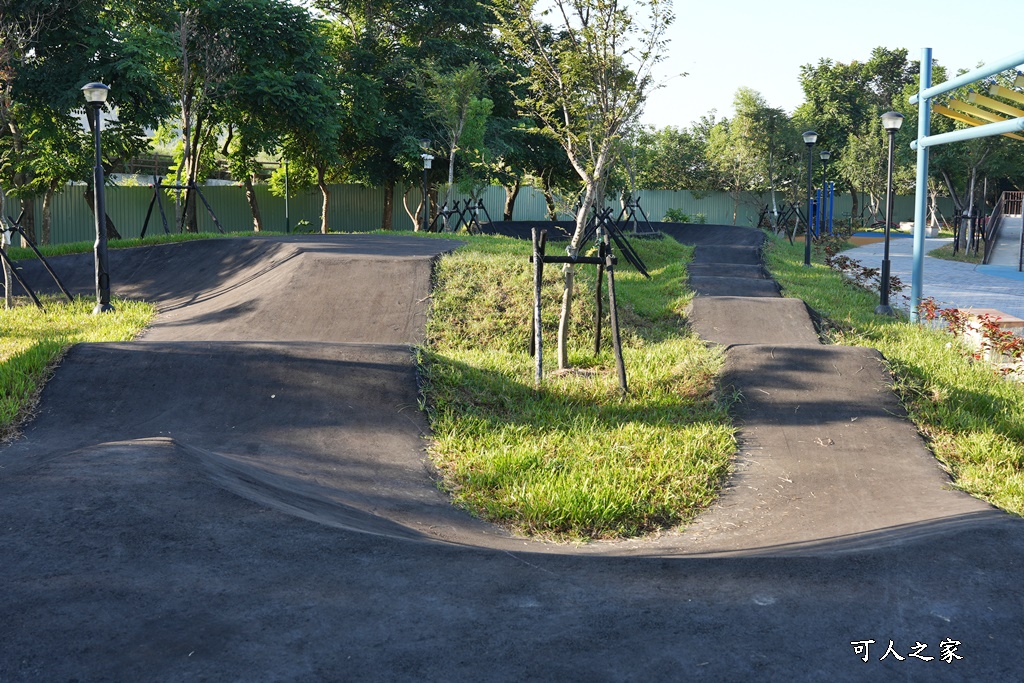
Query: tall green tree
x=378, y=47
x=768, y=138
x=843, y=102
x=668, y=158
x=52, y=49
x=284, y=92
x=454, y=105
x=590, y=69
x=254, y=71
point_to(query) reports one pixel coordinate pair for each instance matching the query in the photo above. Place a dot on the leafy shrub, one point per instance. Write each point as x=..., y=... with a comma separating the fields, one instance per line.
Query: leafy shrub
x=675, y=216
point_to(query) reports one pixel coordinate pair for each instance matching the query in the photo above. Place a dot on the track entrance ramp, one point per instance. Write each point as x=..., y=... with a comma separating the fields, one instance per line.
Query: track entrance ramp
x=282, y=368
x=828, y=460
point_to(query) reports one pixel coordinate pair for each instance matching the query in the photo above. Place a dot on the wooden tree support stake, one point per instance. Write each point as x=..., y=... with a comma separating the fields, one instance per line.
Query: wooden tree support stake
x=605, y=262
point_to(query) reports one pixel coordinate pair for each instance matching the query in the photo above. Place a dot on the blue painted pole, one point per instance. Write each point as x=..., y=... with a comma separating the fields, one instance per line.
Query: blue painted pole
x=989, y=129
x=831, y=204
x=927, y=92
x=817, y=213
x=924, y=112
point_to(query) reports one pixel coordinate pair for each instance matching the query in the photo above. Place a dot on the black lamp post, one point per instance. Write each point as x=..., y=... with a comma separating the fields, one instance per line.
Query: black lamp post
x=810, y=137
x=96, y=95
x=427, y=159
x=891, y=121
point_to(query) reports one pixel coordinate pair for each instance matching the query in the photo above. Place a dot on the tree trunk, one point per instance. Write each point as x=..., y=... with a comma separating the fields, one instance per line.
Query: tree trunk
x=5, y=242
x=549, y=197
x=44, y=228
x=933, y=205
x=510, y=199
x=964, y=226
x=191, y=201
x=3, y=245
x=254, y=206
x=448, y=190
x=28, y=221
x=408, y=212
x=569, y=272
x=386, y=221
x=321, y=182
x=856, y=205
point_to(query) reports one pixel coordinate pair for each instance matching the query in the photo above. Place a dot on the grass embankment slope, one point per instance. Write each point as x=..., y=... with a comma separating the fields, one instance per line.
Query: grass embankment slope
x=572, y=460
x=32, y=342
x=972, y=417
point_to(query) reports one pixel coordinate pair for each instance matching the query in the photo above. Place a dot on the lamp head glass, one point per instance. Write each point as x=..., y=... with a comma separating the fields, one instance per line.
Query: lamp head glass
x=892, y=120
x=95, y=93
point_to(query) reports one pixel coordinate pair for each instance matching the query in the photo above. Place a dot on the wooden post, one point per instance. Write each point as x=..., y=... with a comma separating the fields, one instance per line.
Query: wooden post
x=538, y=279
x=602, y=252
x=620, y=364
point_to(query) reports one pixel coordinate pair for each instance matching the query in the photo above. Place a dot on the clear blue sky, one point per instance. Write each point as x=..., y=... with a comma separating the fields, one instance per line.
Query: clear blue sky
x=761, y=44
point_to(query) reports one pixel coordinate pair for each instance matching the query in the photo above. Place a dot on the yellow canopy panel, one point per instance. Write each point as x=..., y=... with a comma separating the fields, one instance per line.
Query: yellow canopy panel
x=969, y=120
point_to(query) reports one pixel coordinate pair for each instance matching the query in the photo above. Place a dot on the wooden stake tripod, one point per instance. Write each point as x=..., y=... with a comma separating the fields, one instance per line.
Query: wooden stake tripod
x=605, y=262
x=630, y=211
x=157, y=186
x=10, y=226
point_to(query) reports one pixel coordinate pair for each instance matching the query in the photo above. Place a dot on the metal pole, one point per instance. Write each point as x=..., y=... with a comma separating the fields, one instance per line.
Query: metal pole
x=426, y=200
x=883, y=307
x=924, y=112
x=100, y=249
x=810, y=209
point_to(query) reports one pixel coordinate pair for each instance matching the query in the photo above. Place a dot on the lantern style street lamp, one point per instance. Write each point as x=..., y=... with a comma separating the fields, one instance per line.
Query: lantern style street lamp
x=428, y=158
x=95, y=96
x=824, y=155
x=891, y=122
x=810, y=137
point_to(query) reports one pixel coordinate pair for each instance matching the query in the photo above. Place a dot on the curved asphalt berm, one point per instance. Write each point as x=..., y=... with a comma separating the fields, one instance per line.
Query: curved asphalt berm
x=194, y=505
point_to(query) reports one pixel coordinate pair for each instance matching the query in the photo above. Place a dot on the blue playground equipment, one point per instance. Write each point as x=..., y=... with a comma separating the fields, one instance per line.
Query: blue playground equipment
x=924, y=141
x=822, y=206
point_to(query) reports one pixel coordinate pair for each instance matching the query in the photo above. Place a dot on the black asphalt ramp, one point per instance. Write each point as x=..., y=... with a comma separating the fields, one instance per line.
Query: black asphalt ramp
x=828, y=458
x=243, y=495
x=733, y=320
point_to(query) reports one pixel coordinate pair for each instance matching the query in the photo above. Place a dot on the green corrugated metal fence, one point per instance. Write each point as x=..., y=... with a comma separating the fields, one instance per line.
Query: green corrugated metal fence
x=357, y=208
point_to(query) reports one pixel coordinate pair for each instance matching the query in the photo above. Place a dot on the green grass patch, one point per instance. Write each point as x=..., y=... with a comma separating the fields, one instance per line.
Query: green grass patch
x=963, y=256
x=972, y=417
x=572, y=460
x=32, y=342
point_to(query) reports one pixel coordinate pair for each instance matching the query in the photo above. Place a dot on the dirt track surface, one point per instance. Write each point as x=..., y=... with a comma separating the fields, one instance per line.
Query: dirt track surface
x=243, y=495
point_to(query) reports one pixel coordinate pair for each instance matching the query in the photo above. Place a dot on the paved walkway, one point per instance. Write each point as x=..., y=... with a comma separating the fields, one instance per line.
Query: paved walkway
x=950, y=283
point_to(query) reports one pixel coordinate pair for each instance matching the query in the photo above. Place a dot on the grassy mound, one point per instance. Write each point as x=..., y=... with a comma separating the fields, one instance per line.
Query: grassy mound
x=572, y=460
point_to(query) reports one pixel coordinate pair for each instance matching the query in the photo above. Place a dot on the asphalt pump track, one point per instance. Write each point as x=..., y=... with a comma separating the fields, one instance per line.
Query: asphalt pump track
x=243, y=494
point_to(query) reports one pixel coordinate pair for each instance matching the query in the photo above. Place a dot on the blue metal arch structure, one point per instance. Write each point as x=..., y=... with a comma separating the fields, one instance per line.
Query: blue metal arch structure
x=924, y=141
